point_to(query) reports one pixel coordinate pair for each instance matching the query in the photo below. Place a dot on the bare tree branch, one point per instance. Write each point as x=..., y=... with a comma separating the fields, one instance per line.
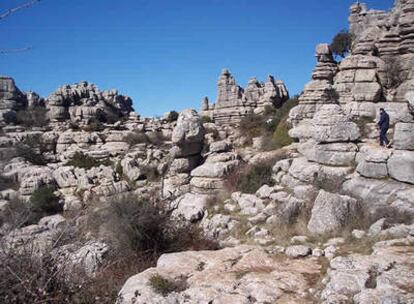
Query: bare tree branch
x=17, y=8
x=19, y=50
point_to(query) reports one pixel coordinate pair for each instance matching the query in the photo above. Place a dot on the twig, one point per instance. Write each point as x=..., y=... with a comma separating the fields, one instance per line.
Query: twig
x=19, y=50
x=17, y=8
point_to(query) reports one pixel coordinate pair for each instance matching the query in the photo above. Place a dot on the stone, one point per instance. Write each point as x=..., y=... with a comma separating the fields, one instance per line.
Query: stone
x=249, y=204
x=332, y=125
x=265, y=191
x=298, y=251
x=240, y=273
x=333, y=154
x=401, y=166
x=189, y=129
x=219, y=146
x=331, y=212
x=404, y=136
x=35, y=178
x=190, y=207
x=56, y=221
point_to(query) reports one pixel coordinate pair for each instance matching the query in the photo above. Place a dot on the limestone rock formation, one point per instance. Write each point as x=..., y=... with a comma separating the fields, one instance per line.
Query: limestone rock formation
x=240, y=274
x=83, y=102
x=11, y=100
x=234, y=102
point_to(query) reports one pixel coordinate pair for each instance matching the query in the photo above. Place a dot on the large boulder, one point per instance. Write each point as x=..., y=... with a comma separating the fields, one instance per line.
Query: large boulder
x=332, y=125
x=331, y=212
x=401, y=166
x=189, y=129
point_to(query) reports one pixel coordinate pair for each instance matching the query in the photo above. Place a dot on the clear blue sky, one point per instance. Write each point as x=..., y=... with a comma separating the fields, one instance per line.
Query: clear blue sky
x=167, y=54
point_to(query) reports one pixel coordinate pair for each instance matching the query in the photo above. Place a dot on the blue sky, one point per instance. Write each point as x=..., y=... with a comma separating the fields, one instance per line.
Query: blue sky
x=167, y=54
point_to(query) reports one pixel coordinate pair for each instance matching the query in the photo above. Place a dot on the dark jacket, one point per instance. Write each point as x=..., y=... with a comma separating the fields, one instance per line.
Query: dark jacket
x=384, y=122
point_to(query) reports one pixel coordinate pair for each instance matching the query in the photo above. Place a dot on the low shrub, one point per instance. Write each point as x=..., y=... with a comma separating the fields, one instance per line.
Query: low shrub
x=33, y=117
x=144, y=226
x=165, y=286
x=82, y=160
x=272, y=126
x=395, y=74
x=341, y=43
x=249, y=178
x=44, y=202
x=31, y=149
x=206, y=119
x=8, y=183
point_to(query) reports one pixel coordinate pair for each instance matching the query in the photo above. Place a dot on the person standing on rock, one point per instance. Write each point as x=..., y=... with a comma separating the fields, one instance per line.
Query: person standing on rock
x=384, y=124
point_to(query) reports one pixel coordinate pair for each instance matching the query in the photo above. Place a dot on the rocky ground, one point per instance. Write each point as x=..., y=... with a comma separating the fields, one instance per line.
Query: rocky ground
x=207, y=207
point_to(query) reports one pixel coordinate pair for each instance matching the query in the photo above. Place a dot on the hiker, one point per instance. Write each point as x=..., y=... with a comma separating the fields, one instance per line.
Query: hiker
x=384, y=124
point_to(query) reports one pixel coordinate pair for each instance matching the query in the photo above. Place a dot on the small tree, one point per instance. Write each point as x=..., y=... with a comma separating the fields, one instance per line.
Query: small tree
x=341, y=44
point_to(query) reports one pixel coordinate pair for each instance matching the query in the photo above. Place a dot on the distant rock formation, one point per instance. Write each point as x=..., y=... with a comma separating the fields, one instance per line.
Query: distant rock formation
x=11, y=100
x=83, y=102
x=234, y=102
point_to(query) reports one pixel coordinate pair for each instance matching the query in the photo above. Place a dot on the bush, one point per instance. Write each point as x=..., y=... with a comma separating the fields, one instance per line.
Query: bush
x=165, y=286
x=395, y=75
x=45, y=202
x=33, y=117
x=144, y=226
x=81, y=160
x=206, y=119
x=31, y=149
x=272, y=125
x=341, y=44
x=8, y=183
x=249, y=178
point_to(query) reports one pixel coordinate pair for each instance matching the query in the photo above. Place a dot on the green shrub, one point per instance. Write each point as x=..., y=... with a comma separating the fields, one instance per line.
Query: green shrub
x=254, y=177
x=164, y=286
x=281, y=137
x=81, y=160
x=206, y=119
x=44, y=202
x=341, y=44
x=395, y=73
x=31, y=149
x=266, y=125
x=141, y=225
x=32, y=117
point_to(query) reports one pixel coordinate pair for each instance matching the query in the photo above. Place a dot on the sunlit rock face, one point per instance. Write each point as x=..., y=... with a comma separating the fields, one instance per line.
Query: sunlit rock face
x=84, y=101
x=233, y=102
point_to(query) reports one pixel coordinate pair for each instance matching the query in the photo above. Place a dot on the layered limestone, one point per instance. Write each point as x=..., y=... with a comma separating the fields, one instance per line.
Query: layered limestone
x=319, y=91
x=84, y=102
x=233, y=102
x=11, y=100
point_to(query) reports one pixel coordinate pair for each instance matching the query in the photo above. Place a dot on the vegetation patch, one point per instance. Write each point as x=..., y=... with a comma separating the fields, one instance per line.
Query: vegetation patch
x=45, y=202
x=31, y=149
x=164, y=286
x=82, y=160
x=342, y=43
x=272, y=126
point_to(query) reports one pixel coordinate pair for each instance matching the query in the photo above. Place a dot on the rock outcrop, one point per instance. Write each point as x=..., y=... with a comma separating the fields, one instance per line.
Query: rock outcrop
x=233, y=102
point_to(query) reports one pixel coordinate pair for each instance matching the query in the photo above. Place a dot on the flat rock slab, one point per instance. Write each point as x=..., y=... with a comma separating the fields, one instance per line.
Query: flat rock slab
x=230, y=275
